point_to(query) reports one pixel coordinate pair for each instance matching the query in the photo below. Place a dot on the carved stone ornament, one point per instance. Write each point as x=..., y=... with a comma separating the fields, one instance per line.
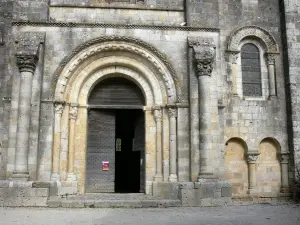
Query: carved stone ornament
x=284, y=157
x=249, y=32
x=113, y=43
x=58, y=107
x=234, y=55
x=270, y=59
x=27, y=63
x=27, y=46
x=252, y=157
x=157, y=115
x=204, y=55
x=172, y=112
x=73, y=112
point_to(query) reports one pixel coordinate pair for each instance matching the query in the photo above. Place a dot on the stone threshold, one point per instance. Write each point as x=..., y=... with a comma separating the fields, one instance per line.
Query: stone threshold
x=112, y=201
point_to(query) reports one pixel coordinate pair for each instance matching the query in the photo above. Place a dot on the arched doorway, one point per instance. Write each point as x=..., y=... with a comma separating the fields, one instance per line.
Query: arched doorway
x=115, y=160
x=92, y=64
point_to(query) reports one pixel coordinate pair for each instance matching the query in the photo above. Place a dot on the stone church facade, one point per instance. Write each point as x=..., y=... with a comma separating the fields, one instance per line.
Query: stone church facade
x=189, y=100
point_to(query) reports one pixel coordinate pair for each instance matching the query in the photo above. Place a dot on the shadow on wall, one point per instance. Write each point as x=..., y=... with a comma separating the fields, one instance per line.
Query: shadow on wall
x=267, y=172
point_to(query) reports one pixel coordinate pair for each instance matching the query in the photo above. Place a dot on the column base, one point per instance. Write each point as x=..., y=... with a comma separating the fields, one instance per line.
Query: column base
x=55, y=177
x=206, y=176
x=285, y=190
x=158, y=178
x=173, y=178
x=71, y=177
x=252, y=191
x=22, y=176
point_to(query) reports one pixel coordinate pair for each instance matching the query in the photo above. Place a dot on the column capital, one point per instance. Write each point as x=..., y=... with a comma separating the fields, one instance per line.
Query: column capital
x=172, y=112
x=270, y=58
x=204, y=54
x=27, y=63
x=58, y=107
x=252, y=157
x=73, y=112
x=233, y=55
x=27, y=47
x=157, y=115
x=284, y=157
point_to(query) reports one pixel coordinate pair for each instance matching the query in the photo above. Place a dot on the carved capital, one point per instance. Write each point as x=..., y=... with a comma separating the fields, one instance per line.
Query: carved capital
x=234, y=55
x=284, y=157
x=157, y=115
x=58, y=107
x=204, y=55
x=270, y=59
x=73, y=112
x=172, y=112
x=252, y=157
x=27, y=46
x=27, y=63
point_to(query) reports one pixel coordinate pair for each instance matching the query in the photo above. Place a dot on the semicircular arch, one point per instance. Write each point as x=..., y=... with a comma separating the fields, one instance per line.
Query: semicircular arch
x=110, y=72
x=161, y=68
x=252, y=31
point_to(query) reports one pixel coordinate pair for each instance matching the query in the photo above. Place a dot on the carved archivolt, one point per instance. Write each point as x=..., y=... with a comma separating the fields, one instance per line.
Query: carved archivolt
x=117, y=43
x=252, y=31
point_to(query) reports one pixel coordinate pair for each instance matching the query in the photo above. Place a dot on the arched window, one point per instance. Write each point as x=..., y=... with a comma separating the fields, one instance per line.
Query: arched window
x=251, y=70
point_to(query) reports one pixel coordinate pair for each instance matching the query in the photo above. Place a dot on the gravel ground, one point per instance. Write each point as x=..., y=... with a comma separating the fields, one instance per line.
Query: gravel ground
x=262, y=214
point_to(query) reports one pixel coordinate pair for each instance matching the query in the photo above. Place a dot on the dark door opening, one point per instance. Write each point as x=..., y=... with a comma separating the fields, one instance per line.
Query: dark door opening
x=116, y=138
x=130, y=142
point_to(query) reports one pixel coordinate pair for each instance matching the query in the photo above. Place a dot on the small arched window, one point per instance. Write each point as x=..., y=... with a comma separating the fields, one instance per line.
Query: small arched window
x=251, y=70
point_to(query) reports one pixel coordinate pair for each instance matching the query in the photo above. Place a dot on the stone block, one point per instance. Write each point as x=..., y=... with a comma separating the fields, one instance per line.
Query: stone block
x=149, y=204
x=187, y=197
x=226, y=191
x=166, y=190
x=206, y=190
x=40, y=184
x=72, y=203
x=206, y=202
x=186, y=185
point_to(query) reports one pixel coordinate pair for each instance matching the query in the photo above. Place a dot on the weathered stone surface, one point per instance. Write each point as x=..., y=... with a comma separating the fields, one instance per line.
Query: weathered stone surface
x=69, y=47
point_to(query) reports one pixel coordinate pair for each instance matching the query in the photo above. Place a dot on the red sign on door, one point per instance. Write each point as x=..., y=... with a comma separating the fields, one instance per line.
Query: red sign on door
x=105, y=165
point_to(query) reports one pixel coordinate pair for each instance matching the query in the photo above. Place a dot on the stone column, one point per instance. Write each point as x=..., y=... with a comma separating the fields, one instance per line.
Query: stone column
x=72, y=120
x=27, y=65
x=58, y=110
x=251, y=159
x=204, y=55
x=271, y=72
x=158, y=119
x=173, y=145
x=284, y=161
x=234, y=57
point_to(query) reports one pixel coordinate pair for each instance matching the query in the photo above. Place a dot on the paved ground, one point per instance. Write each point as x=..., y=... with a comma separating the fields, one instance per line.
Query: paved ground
x=261, y=214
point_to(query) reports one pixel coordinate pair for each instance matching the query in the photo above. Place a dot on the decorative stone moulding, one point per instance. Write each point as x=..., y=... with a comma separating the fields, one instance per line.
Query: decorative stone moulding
x=108, y=25
x=112, y=43
x=204, y=54
x=252, y=31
